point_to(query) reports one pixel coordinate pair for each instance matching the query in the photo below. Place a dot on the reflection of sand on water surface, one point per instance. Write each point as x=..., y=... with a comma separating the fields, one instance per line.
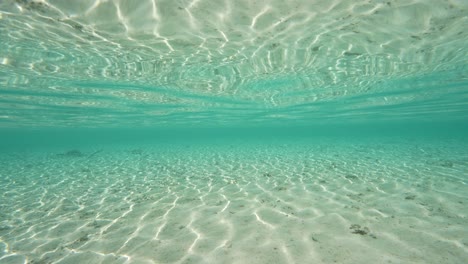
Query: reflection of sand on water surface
x=181, y=58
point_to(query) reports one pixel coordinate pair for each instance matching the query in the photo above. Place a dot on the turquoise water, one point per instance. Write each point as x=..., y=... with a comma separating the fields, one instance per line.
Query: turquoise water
x=207, y=131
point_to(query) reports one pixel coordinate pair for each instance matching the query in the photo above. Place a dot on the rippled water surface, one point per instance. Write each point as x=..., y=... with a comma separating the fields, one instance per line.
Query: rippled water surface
x=152, y=62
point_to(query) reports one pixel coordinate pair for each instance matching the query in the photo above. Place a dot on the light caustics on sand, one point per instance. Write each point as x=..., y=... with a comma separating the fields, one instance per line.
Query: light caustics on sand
x=347, y=203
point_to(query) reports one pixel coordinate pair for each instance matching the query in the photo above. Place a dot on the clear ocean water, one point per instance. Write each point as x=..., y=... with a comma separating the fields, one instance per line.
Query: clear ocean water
x=203, y=131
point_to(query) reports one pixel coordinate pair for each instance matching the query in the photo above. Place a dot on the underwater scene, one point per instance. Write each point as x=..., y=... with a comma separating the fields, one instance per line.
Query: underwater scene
x=233, y=131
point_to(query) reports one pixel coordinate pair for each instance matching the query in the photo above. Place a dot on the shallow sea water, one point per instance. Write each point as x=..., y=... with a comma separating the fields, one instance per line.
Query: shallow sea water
x=204, y=131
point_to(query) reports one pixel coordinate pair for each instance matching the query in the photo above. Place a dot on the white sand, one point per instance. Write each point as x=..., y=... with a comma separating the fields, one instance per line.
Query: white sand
x=284, y=203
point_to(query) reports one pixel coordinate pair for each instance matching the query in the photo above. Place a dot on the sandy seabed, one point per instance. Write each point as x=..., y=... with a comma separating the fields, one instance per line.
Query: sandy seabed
x=330, y=202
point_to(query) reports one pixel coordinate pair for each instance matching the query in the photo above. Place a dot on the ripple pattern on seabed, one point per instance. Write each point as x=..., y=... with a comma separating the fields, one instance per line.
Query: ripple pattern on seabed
x=156, y=61
x=321, y=203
